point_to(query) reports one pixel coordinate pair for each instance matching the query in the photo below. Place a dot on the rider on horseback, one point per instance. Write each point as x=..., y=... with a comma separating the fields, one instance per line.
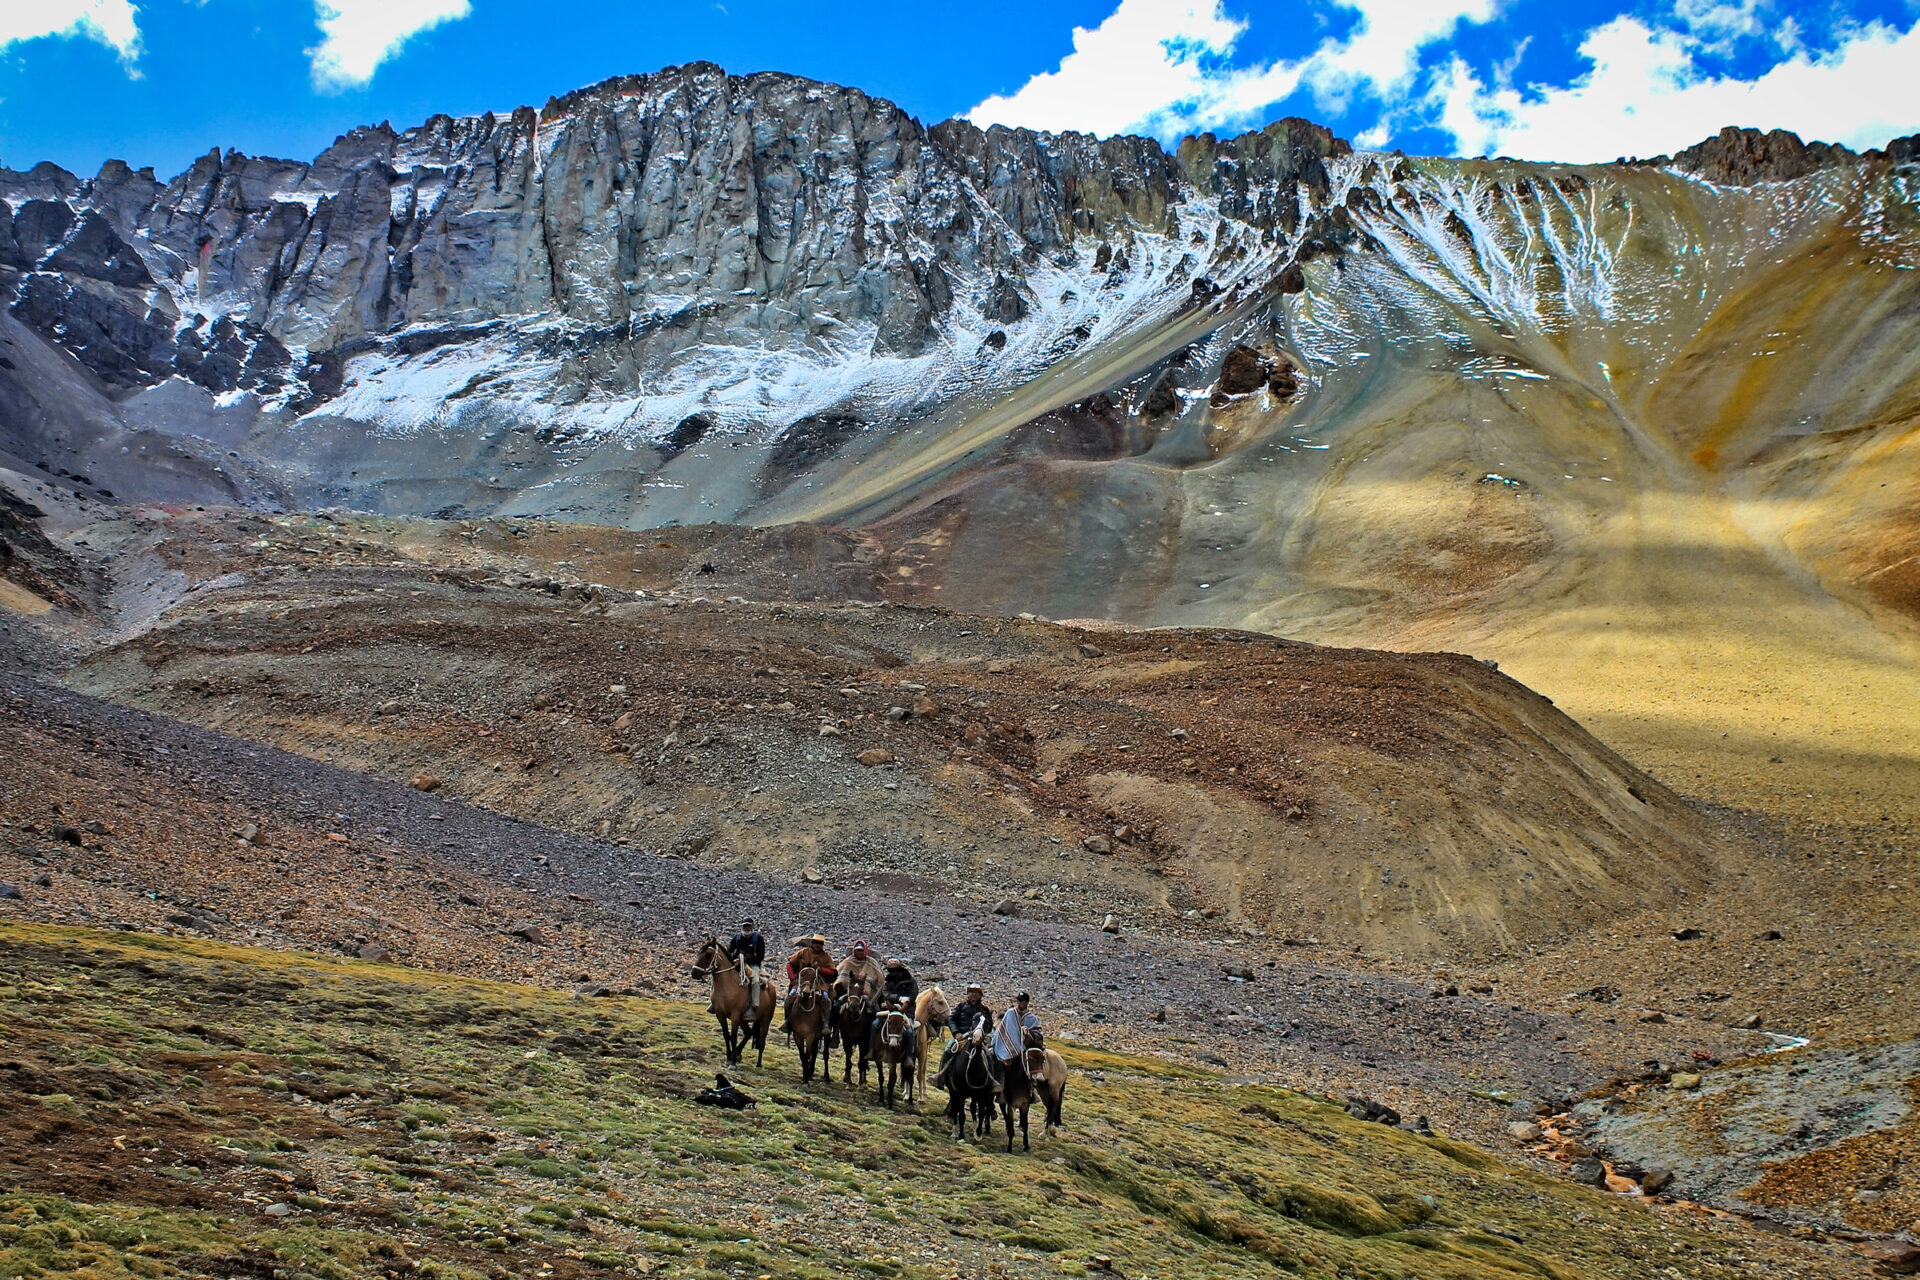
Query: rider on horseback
x=749, y=950
x=899, y=991
x=967, y=1017
x=813, y=955
x=860, y=970
x=860, y=977
x=1010, y=1034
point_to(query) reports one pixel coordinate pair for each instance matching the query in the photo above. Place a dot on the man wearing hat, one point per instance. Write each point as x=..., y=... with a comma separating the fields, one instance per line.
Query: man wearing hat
x=860, y=970
x=813, y=954
x=968, y=1016
x=749, y=950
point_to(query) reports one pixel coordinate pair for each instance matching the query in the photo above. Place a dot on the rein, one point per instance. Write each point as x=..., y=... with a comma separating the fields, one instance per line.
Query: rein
x=978, y=1055
x=708, y=971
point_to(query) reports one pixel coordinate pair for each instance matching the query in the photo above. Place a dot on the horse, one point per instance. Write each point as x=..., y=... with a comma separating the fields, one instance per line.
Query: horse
x=808, y=1012
x=742, y=1020
x=1048, y=1071
x=930, y=1011
x=970, y=1083
x=855, y=1012
x=893, y=1055
x=1016, y=1088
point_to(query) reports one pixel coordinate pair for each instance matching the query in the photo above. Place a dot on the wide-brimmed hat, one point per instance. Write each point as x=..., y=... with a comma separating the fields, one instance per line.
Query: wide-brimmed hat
x=819, y=938
x=974, y=986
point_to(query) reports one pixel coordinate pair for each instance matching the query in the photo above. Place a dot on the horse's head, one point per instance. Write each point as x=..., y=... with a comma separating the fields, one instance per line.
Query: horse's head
x=706, y=957
x=1036, y=1062
x=808, y=981
x=893, y=1029
x=933, y=1006
x=1033, y=1039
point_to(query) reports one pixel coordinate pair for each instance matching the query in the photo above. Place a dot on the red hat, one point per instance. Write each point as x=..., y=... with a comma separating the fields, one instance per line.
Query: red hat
x=859, y=945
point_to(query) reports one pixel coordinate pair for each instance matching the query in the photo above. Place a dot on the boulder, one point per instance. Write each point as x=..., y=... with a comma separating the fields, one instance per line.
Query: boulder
x=1684, y=1080
x=424, y=782
x=1242, y=372
x=374, y=951
x=528, y=931
x=1589, y=1171
x=1655, y=1179
x=1110, y=925
x=1893, y=1257
x=1523, y=1131
x=875, y=756
x=1097, y=844
x=1007, y=907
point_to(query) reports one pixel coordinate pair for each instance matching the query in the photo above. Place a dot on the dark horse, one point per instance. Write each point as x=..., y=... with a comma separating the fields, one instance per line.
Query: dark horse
x=894, y=1051
x=743, y=1020
x=1017, y=1086
x=970, y=1084
x=809, y=1009
x=850, y=1020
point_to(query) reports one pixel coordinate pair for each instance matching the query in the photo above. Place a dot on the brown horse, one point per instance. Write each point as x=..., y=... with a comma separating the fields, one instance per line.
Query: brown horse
x=894, y=1046
x=1048, y=1071
x=930, y=1011
x=851, y=1020
x=808, y=1009
x=742, y=1020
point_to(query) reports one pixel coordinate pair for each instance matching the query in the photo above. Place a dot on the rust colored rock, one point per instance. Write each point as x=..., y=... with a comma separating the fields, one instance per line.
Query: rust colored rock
x=874, y=756
x=424, y=782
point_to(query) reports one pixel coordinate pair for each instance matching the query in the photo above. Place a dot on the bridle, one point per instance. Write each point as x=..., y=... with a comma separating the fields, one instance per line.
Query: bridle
x=713, y=948
x=806, y=990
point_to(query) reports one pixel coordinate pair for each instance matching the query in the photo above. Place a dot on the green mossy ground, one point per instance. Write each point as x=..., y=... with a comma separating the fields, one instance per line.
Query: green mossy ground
x=161, y=1094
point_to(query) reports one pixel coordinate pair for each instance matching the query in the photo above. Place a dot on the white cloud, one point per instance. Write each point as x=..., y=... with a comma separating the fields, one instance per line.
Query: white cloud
x=113, y=23
x=1146, y=57
x=362, y=34
x=1383, y=53
x=1645, y=95
x=1161, y=67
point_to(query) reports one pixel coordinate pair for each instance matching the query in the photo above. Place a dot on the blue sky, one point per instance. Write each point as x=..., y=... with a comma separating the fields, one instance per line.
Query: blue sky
x=157, y=82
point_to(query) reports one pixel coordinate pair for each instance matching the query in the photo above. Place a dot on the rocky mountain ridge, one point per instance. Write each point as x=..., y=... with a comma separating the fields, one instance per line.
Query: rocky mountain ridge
x=642, y=262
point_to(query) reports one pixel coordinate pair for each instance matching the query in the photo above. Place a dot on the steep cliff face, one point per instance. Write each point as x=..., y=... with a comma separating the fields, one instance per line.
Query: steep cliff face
x=756, y=250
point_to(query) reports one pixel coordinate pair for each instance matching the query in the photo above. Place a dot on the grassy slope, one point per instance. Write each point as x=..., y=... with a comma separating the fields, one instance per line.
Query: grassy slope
x=160, y=1094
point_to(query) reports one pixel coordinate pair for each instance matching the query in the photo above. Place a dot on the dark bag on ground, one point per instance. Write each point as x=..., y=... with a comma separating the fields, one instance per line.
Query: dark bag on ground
x=723, y=1094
